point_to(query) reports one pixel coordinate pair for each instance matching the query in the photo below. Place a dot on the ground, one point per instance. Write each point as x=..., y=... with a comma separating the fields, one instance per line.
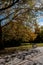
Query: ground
x=23, y=47
x=32, y=56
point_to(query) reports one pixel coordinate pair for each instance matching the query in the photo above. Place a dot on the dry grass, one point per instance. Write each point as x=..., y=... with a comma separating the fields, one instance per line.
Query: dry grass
x=40, y=44
x=21, y=48
x=12, y=49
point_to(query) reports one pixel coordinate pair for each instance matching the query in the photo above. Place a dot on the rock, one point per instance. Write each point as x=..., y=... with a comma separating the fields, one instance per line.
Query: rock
x=19, y=56
x=16, y=60
x=7, y=58
x=20, y=52
x=30, y=63
x=23, y=57
x=25, y=52
x=32, y=55
x=2, y=61
x=0, y=57
x=28, y=57
x=13, y=55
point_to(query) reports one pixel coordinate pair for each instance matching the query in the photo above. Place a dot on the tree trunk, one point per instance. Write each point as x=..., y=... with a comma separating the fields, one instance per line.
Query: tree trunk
x=1, y=42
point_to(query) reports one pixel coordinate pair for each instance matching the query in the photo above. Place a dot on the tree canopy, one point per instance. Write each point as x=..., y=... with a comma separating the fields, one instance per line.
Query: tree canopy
x=19, y=19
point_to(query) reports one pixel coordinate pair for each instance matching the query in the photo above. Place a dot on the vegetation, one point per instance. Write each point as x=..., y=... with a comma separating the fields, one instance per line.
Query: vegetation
x=20, y=23
x=39, y=37
x=21, y=48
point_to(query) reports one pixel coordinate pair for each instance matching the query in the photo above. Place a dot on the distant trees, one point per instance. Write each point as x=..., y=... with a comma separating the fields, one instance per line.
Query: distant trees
x=41, y=34
x=39, y=38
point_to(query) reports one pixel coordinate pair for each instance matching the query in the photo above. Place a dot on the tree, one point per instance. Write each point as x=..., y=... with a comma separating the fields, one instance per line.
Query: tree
x=39, y=38
x=20, y=11
x=1, y=44
x=3, y=7
x=18, y=32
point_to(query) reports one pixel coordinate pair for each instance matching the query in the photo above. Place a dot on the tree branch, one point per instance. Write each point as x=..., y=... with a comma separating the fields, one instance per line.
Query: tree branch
x=9, y=5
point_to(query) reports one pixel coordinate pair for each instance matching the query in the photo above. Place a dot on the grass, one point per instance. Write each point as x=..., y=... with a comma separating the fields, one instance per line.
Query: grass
x=40, y=44
x=21, y=48
x=11, y=49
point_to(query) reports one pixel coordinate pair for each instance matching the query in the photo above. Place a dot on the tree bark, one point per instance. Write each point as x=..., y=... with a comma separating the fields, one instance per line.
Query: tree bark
x=1, y=42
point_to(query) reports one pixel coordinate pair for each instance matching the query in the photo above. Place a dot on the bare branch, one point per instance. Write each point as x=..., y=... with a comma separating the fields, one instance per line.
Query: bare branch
x=10, y=5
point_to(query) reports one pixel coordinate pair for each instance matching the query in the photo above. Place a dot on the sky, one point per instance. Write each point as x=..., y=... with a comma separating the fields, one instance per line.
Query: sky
x=40, y=20
x=40, y=17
